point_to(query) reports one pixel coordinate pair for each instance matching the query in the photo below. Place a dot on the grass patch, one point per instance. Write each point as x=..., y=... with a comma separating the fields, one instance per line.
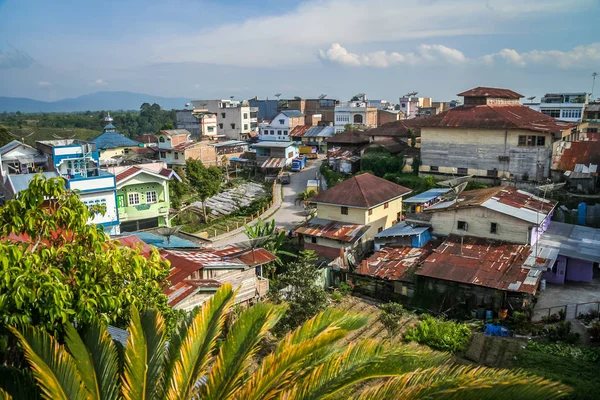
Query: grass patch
x=42, y=133
x=581, y=375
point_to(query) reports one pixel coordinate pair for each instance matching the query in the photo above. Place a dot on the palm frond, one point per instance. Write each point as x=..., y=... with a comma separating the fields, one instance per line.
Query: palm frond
x=53, y=367
x=17, y=384
x=241, y=343
x=360, y=361
x=134, y=378
x=466, y=382
x=153, y=326
x=4, y=395
x=193, y=344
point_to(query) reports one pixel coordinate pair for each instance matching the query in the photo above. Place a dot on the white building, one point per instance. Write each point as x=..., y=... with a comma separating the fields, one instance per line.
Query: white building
x=357, y=111
x=280, y=127
x=410, y=105
x=563, y=106
x=235, y=119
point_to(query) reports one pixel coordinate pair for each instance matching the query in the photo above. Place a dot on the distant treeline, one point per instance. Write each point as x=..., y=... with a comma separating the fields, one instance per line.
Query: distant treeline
x=150, y=119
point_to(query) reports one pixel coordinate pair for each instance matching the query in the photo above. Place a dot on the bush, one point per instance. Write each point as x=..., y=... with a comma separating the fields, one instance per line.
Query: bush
x=390, y=316
x=439, y=334
x=566, y=350
x=594, y=332
x=380, y=162
x=561, y=332
x=589, y=316
x=345, y=289
x=336, y=296
x=331, y=177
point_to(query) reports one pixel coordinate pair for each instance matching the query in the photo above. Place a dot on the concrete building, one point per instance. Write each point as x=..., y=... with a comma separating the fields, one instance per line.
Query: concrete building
x=175, y=147
x=78, y=162
x=410, y=105
x=274, y=155
x=143, y=195
x=562, y=106
x=19, y=158
x=266, y=109
x=112, y=146
x=235, y=120
x=324, y=108
x=385, y=116
x=185, y=119
x=355, y=112
x=280, y=127
x=491, y=136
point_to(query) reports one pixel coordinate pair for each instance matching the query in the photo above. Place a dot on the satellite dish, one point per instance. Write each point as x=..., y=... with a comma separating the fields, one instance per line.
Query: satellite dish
x=187, y=105
x=297, y=98
x=277, y=95
x=322, y=96
x=531, y=98
x=411, y=94
x=231, y=97
x=168, y=231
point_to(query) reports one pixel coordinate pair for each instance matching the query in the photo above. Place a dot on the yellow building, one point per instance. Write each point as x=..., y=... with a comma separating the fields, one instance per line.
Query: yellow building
x=111, y=145
x=363, y=204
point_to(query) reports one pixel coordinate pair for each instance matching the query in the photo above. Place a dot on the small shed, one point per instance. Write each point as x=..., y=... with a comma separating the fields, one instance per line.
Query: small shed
x=421, y=201
x=402, y=234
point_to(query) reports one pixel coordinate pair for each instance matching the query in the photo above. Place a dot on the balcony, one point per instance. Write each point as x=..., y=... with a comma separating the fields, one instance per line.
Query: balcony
x=143, y=211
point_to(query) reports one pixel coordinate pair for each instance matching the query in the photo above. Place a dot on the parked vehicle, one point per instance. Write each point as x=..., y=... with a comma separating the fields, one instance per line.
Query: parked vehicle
x=285, y=178
x=310, y=152
x=298, y=163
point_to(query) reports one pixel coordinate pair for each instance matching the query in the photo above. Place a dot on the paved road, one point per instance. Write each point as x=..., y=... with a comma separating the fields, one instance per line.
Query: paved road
x=289, y=215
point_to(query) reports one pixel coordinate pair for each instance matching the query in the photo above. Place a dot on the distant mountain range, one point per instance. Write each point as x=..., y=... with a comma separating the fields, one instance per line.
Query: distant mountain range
x=90, y=102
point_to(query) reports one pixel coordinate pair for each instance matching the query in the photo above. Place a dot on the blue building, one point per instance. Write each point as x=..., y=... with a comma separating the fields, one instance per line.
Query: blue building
x=111, y=145
x=267, y=109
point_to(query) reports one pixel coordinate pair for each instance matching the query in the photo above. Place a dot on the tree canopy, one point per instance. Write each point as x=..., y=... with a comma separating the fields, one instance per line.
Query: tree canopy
x=57, y=269
x=203, y=181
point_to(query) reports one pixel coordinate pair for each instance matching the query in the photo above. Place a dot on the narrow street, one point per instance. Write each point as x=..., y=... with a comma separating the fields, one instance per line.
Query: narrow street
x=289, y=214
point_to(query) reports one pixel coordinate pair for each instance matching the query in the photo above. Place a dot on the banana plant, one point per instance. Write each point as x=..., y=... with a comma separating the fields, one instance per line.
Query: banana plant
x=206, y=359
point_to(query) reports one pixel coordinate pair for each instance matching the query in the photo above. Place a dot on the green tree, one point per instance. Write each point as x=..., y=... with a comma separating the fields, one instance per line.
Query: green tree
x=299, y=287
x=167, y=125
x=271, y=239
x=177, y=190
x=63, y=270
x=304, y=197
x=204, y=182
x=390, y=317
x=206, y=361
x=5, y=136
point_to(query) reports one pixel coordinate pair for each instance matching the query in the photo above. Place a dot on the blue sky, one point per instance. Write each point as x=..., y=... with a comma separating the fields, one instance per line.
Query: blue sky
x=214, y=49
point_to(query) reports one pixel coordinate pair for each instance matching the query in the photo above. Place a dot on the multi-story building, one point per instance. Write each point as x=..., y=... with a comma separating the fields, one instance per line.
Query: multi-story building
x=78, y=162
x=591, y=117
x=355, y=112
x=491, y=136
x=112, y=146
x=175, y=146
x=280, y=127
x=143, y=195
x=563, y=106
x=266, y=109
x=324, y=108
x=199, y=122
x=19, y=158
x=235, y=119
x=410, y=105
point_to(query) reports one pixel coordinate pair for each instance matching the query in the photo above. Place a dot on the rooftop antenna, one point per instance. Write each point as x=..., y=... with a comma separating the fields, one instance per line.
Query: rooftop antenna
x=411, y=94
x=65, y=136
x=322, y=96
x=21, y=137
x=168, y=231
x=531, y=98
x=594, y=75
x=278, y=95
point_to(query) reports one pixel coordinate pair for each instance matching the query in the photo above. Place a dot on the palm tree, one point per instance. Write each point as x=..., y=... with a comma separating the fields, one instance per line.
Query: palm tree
x=206, y=361
x=269, y=237
x=304, y=197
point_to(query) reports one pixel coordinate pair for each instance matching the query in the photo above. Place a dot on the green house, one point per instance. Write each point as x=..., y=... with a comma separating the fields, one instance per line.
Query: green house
x=143, y=197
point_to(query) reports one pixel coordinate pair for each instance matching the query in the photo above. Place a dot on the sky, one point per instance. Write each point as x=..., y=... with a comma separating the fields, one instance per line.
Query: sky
x=208, y=49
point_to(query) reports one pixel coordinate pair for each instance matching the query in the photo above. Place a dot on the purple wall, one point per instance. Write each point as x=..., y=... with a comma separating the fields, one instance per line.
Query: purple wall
x=537, y=232
x=560, y=267
x=579, y=270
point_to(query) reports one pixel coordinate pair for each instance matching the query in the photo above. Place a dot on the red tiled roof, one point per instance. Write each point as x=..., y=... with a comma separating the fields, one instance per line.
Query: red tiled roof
x=146, y=138
x=393, y=263
x=569, y=154
x=481, y=91
x=365, y=191
x=348, y=137
x=127, y=173
x=398, y=128
x=495, y=116
x=335, y=230
x=185, y=145
x=135, y=242
x=300, y=130
x=481, y=262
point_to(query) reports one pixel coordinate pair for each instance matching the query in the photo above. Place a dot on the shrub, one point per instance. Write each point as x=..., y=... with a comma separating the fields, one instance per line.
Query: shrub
x=345, y=289
x=566, y=350
x=390, y=316
x=589, y=316
x=336, y=296
x=439, y=334
x=562, y=314
x=594, y=332
x=561, y=332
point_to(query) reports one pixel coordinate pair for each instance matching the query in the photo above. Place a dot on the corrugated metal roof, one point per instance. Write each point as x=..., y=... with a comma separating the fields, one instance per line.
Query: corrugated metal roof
x=146, y=138
x=320, y=131
x=13, y=145
x=113, y=140
x=482, y=91
x=274, y=162
x=482, y=262
x=393, y=263
x=292, y=113
x=426, y=196
x=348, y=137
x=573, y=241
x=336, y=230
x=171, y=132
x=162, y=242
x=578, y=155
x=228, y=143
x=300, y=130
x=20, y=182
x=401, y=229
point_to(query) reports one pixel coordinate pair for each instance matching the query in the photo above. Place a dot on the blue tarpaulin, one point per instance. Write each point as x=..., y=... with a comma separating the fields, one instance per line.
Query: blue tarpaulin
x=496, y=330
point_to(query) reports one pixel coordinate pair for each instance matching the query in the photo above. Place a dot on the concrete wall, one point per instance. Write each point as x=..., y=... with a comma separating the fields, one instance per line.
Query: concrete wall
x=383, y=117
x=478, y=151
x=479, y=223
x=579, y=270
x=203, y=152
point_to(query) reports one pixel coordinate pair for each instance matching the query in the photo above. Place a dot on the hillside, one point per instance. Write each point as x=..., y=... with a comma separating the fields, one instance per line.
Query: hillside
x=90, y=102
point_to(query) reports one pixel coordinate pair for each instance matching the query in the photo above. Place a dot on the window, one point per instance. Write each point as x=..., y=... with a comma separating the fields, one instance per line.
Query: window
x=210, y=129
x=220, y=126
x=386, y=205
x=344, y=210
x=371, y=212
x=541, y=140
x=522, y=140
x=503, y=158
x=434, y=168
x=462, y=226
x=245, y=115
x=313, y=239
x=380, y=229
x=279, y=132
x=176, y=155
x=245, y=127
x=554, y=112
x=463, y=171
x=281, y=121
x=592, y=130
x=493, y=227
x=232, y=126
x=492, y=173
x=222, y=115
x=161, y=139
x=285, y=132
x=151, y=197
x=571, y=114
x=134, y=199
x=163, y=154
x=530, y=140
x=403, y=105
x=272, y=132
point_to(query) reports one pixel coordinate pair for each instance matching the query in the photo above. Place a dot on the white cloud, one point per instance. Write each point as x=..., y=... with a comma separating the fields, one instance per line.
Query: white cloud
x=580, y=56
x=44, y=83
x=99, y=82
x=296, y=36
x=425, y=54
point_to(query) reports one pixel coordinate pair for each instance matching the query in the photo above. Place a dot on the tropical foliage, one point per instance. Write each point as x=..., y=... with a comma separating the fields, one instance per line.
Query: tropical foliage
x=269, y=238
x=299, y=287
x=57, y=269
x=207, y=360
x=439, y=334
x=304, y=197
x=390, y=316
x=203, y=181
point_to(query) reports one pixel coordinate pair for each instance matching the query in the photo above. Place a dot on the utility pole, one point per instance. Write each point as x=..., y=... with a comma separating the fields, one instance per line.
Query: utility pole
x=594, y=75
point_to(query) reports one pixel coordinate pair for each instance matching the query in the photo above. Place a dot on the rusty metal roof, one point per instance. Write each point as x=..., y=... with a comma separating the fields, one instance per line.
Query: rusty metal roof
x=335, y=230
x=398, y=128
x=274, y=162
x=503, y=199
x=481, y=262
x=482, y=91
x=584, y=152
x=393, y=263
x=496, y=116
x=300, y=130
x=348, y=137
x=362, y=191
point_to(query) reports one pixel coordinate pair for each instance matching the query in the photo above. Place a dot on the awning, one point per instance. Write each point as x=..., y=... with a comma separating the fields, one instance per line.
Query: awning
x=274, y=162
x=238, y=159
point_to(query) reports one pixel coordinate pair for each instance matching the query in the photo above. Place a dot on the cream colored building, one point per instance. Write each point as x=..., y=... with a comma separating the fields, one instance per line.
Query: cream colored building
x=112, y=146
